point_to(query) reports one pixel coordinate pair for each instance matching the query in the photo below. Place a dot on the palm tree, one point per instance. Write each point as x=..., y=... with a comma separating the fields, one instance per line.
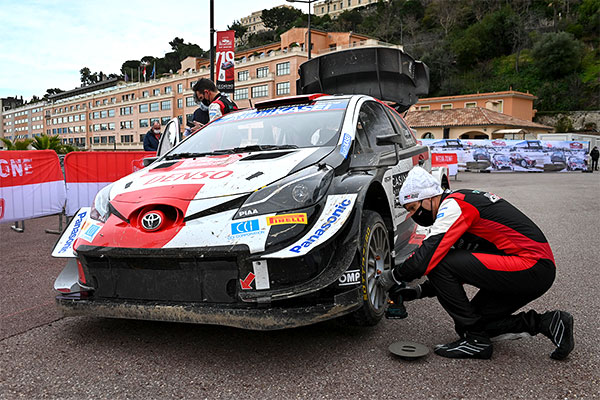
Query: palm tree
x=44, y=142
x=17, y=144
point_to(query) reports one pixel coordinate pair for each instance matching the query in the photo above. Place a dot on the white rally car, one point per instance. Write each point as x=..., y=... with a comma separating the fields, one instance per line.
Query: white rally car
x=267, y=218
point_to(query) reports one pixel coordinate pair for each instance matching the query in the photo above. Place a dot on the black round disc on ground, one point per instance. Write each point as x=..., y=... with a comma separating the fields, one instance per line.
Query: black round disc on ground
x=408, y=350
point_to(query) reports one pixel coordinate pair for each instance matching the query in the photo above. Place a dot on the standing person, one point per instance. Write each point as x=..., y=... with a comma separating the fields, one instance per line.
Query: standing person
x=480, y=239
x=152, y=137
x=206, y=92
x=594, y=154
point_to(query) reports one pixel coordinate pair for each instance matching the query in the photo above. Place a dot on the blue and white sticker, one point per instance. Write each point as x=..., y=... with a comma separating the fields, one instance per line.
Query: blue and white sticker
x=90, y=230
x=239, y=228
x=64, y=246
x=346, y=142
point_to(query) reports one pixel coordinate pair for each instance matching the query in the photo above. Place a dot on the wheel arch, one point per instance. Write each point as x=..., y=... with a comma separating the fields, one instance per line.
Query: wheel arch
x=376, y=200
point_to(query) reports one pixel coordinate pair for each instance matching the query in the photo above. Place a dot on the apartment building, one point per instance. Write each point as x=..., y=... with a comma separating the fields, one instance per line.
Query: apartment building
x=254, y=22
x=336, y=7
x=23, y=122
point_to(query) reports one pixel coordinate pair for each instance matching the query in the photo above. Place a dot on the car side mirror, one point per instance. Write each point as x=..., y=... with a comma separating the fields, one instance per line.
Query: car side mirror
x=386, y=140
x=148, y=160
x=170, y=138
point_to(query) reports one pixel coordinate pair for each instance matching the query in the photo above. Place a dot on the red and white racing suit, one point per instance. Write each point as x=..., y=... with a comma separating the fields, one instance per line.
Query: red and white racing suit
x=481, y=239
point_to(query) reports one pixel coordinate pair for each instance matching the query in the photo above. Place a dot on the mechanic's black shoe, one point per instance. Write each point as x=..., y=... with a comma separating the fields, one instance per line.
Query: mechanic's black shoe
x=472, y=346
x=558, y=327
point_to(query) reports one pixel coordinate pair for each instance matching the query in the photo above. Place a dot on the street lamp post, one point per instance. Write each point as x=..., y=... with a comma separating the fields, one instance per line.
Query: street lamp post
x=309, y=3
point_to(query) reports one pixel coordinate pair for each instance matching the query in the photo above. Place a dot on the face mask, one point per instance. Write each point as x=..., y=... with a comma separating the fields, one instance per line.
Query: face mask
x=205, y=102
x=423, y=217
x=157, y=131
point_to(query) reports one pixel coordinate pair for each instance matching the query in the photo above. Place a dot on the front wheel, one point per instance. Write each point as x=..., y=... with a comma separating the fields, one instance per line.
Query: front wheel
x=374, y=258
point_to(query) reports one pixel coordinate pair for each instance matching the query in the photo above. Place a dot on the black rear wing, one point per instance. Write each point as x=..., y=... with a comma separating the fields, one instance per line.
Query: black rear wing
x=385, y=73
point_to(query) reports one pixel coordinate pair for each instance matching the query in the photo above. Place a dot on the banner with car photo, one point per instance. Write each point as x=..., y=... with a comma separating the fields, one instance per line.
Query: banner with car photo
x=514, y=155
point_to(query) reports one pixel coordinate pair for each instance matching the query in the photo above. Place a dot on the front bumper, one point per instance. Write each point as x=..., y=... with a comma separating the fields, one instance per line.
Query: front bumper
x=254, y=318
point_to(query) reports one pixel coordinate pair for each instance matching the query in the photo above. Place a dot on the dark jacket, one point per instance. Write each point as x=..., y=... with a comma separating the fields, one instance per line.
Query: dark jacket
x=150, y=141
x=595, y=154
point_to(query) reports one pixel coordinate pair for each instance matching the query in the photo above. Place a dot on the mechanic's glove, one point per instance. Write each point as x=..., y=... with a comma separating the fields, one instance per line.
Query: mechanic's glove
x=387, y=280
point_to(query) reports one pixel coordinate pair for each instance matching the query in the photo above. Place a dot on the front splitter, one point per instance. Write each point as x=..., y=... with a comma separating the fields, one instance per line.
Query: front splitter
x=264, y=319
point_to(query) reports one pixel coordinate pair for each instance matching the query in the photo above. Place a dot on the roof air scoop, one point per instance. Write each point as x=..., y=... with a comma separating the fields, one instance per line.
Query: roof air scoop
x=385, y=73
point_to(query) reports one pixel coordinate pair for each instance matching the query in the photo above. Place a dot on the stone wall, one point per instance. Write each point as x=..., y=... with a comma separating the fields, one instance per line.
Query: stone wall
x=581, y=120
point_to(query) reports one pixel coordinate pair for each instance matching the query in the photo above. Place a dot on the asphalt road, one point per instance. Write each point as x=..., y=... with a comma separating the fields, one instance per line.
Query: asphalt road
x=45, y=356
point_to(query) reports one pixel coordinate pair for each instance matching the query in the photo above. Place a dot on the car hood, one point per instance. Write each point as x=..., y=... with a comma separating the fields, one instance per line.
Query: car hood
x=207, y=177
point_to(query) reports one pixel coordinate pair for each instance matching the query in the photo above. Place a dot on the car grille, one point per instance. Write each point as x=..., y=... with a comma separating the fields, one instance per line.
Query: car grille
x=162, y=279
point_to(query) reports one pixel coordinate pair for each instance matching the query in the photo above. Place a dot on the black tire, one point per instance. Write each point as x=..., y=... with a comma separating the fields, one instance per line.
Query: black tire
x=523, y=163
x=375, y=254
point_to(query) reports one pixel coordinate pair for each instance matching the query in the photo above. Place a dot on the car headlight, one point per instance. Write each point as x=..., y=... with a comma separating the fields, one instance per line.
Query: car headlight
x=100, y=207
x=302, y=189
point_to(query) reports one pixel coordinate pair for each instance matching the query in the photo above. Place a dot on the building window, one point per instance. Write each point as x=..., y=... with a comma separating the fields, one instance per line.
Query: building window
x=260, y=91
x=283, y=68
x=153, y=120
x=180, y=88
x=471, y=105
x=96, y=115
x=126, y=138
x=243, y=75
x=165, y=105
x=143, y=123
x=126, y=110
x=111, y=113
x=283, y=88
x=143, y=108
x=189, y=101
x=240, y=94
x=154, y=106
x=179, y=103
x=447, y=106
x=168, y=89
x=424, y=108
x=262, y=72
x=145, y=93
x=126, y=124
x=428, y=135
x=103, y=114
x=156, y=92
x=164, y=120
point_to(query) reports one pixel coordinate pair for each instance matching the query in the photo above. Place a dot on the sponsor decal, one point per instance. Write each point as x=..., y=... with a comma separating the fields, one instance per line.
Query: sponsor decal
x=397, y=182
x=152, y=220
x=339, y=210
x=349, y=278
x=346, y=142
x=74, y=232
x=250, y=114
x=493, y=198
x=287, y=219
x=89, y=231
x=1, y=208
x=261, y=272
x=250, y=226
x=411, y=196
x=186, y=176
x=247, y=213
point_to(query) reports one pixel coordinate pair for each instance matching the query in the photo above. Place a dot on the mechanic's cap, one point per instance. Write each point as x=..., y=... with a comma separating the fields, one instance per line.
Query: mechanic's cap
x=419, y=185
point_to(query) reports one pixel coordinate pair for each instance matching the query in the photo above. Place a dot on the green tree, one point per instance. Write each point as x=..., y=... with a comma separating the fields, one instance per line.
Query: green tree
x=557, y=54
x=238, y=28
x=51, y=142
x=280, y=19
x=22, y=144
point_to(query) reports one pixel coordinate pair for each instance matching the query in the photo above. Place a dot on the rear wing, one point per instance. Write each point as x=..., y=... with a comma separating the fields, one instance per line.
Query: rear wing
x=385, y=73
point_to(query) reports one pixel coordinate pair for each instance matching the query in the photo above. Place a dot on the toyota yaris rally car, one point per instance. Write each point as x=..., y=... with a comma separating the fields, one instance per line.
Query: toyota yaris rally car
x=267, y=218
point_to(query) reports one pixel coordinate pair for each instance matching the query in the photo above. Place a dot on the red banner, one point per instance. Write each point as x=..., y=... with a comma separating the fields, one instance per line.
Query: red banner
x=442, y=159
x=88, y=172
x=225, y=52
x=31, y=185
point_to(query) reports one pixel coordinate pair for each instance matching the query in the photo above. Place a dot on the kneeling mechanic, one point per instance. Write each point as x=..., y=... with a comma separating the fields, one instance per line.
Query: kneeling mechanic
x=480, y=239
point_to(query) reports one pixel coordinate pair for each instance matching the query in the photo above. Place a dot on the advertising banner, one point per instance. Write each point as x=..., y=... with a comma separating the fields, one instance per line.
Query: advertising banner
x=225, y=67
x=31, y=185
x=88, y=172
x=513, y=155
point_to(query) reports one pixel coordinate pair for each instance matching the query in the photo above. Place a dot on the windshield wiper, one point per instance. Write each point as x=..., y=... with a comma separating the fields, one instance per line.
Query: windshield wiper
x=261, y=147
x=177, y=156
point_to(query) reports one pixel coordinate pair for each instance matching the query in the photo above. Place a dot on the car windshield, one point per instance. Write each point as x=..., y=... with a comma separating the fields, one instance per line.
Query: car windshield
x=287, y=127
x=502, y=158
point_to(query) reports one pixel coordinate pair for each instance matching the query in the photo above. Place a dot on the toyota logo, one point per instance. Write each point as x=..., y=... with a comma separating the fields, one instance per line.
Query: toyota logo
x=152, y=221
